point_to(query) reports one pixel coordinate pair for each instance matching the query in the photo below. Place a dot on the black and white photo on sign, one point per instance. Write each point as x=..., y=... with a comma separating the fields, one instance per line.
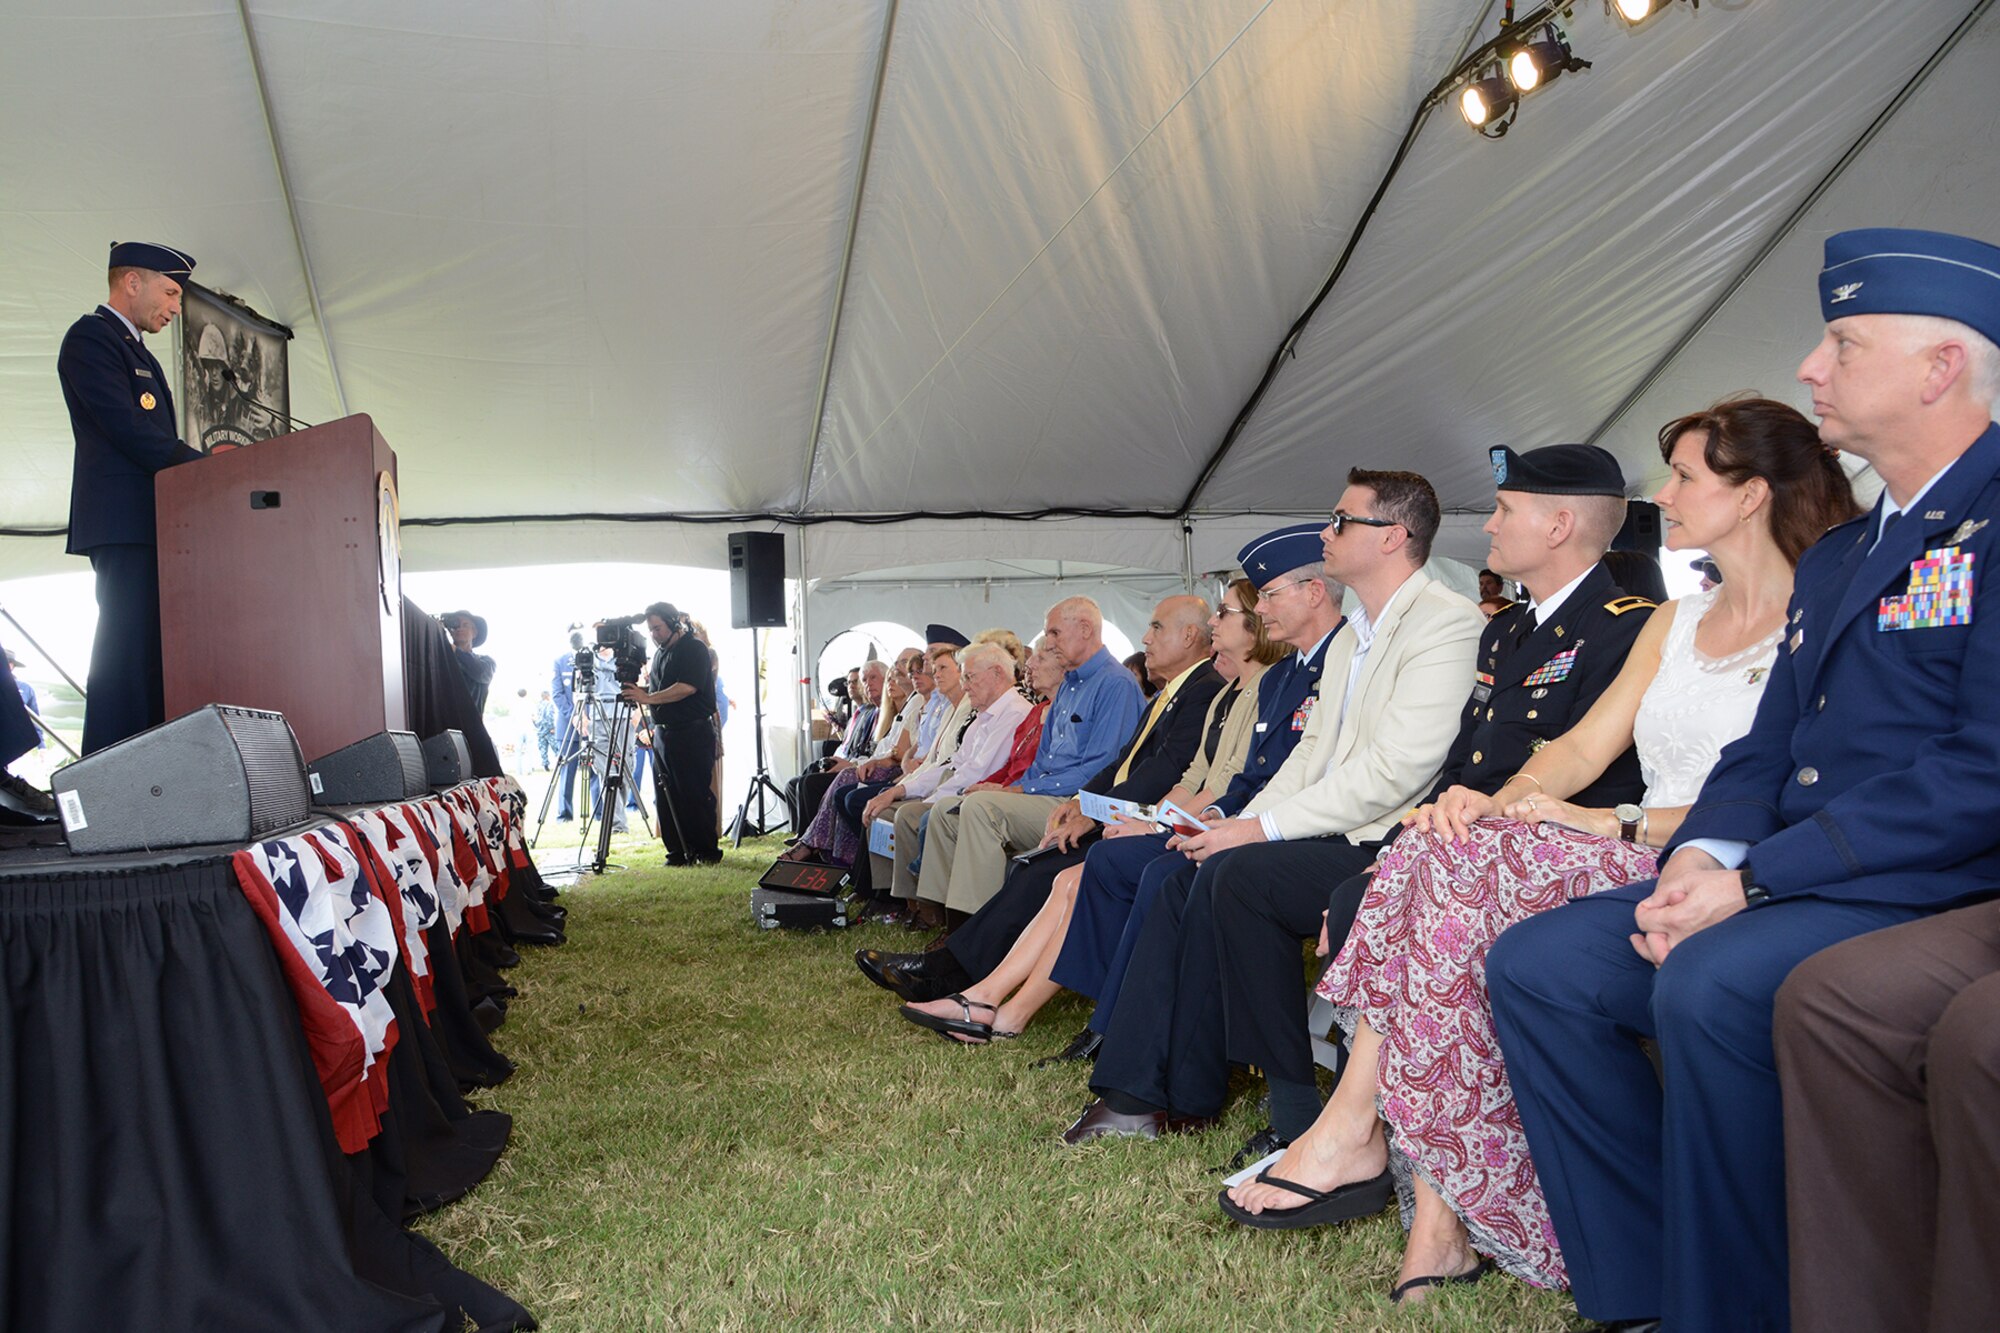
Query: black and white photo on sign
x=235, y=389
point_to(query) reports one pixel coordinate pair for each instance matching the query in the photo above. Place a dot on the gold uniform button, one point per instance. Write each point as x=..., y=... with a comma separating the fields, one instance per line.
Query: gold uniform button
x=1477, y=757
x=1489, y=715
x=1808, y=775
x=147, y=401
x=1532, y=715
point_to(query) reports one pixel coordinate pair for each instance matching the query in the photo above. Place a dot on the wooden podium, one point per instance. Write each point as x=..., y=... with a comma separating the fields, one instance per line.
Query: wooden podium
x=281, y=583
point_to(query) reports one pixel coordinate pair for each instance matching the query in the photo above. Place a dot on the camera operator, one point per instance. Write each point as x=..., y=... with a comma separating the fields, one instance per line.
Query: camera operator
x=681, y=694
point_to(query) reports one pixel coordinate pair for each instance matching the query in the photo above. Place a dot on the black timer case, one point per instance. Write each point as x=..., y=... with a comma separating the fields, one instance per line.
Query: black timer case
x=772, y=908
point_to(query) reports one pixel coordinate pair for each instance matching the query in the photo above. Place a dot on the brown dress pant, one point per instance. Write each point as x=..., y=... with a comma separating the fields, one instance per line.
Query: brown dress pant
x=1889, y=1054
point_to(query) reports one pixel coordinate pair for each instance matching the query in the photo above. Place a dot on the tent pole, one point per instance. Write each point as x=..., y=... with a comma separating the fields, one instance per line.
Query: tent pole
x=847, y=254
x=291, y=205
x=1187, y=554
x=802, y=652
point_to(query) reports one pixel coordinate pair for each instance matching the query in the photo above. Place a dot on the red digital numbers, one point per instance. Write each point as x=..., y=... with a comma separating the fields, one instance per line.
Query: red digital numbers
x=814, y=879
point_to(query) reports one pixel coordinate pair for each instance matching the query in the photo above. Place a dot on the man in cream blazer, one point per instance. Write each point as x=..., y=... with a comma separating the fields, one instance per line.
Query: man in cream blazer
x=1393, y=687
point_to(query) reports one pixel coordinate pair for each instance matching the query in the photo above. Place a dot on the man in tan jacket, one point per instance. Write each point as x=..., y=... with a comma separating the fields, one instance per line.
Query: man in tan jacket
x=1393, y=687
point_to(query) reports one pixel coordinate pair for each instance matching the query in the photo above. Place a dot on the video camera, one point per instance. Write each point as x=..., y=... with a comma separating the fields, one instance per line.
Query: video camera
x=629, y=653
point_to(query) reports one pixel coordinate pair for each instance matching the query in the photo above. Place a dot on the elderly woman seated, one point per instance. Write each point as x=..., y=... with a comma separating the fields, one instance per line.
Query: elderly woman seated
x=1424, y=1102
x=827, y=837
x=1015, y=990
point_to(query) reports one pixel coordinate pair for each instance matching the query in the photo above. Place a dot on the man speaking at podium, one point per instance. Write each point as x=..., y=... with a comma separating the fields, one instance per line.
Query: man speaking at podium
x=122, y=414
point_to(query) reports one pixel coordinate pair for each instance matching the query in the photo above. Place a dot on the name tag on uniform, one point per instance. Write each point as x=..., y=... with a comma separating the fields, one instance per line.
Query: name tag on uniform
x=1939, y=594
x=1555, y=669
x=1484, y=689
x=141, y=370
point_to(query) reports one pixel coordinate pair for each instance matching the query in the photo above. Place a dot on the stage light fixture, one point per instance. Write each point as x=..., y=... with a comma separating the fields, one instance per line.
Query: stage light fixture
x=1535, y=63
x=1636, y=12
x=1488, y=104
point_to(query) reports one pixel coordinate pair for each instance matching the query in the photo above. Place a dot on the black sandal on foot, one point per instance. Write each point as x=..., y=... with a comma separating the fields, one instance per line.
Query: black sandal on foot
x=1465, y=1279
x=1363, y=1198
x=952, y=1028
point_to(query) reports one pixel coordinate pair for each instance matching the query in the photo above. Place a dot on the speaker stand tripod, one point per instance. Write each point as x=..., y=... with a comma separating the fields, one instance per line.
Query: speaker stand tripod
x=761, y=783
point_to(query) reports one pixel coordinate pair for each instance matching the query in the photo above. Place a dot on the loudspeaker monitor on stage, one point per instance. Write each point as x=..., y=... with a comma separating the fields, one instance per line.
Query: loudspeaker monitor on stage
x=216, y=775
x=388, y=766
x=447, y=762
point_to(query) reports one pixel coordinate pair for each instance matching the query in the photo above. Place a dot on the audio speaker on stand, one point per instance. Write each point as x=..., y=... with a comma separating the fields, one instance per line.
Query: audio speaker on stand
x=757, y=580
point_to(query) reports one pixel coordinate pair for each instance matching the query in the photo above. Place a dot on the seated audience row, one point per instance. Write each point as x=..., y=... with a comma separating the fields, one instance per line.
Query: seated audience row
x=1528, y=842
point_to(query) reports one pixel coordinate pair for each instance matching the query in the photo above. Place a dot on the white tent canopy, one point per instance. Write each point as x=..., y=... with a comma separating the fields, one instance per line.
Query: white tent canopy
x=705, y=265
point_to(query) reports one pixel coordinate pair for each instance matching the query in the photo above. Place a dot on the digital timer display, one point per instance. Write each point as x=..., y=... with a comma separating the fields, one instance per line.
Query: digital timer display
x=805, y=877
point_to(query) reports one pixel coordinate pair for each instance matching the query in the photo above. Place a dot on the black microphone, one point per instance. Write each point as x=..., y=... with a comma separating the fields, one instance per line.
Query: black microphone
x=229, y=378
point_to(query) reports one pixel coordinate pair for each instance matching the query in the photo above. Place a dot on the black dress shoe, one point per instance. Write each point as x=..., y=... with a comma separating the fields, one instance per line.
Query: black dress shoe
x=1083, y=1046
x=1099, y=1121
x=916, y=977
x=24, y=805
x=1255, y=1149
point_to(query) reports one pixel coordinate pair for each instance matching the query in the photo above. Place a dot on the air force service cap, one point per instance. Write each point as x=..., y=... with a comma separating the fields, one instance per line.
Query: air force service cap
x=1278, y=553
x=935, y=634
x=1892, y=271
x=163, y=259
x=1560, y=469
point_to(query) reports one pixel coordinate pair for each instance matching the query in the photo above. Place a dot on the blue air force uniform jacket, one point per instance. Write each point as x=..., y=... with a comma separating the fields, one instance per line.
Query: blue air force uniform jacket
x=1872, y=771
x=122, y=413
x=1285, y=699
x=1536, y=682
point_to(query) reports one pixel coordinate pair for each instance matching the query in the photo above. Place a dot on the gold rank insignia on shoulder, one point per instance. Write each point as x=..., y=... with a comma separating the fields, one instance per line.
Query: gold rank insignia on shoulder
x=148, y=402
x=1618, y=606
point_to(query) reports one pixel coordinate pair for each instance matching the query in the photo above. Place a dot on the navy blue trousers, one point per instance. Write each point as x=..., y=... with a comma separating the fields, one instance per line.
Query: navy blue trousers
x=1112, y=871
x=17, y=729
x=854, y=800
x=127, y=690
x=1667, y=1191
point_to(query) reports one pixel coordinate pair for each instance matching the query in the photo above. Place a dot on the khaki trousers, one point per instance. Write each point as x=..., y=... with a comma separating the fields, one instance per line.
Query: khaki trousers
x=1888, y=1051
x=966, y=852
x=909, y=817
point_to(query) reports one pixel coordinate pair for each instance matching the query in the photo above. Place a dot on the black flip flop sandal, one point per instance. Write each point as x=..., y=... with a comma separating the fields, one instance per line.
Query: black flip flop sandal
x=1465, y=1279
x=1363, y=1198
x=952, y=1028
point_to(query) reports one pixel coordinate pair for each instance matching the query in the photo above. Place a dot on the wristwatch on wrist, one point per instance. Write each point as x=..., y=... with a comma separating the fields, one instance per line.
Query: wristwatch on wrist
x=1629, y=816
x=1754, y=894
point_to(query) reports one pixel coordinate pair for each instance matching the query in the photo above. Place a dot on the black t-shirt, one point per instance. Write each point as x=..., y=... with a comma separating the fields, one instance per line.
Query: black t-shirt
x=685, y=663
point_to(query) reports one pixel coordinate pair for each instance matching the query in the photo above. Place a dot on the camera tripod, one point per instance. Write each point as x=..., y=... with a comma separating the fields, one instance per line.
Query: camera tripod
x=761, y=782
x=613, y=717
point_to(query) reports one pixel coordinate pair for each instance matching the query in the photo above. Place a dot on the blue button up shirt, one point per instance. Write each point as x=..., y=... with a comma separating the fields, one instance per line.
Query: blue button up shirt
x=1093, y=714
x=936, y=707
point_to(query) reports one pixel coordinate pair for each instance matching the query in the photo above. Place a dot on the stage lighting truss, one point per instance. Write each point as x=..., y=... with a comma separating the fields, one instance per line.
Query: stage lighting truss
x=1528, y=54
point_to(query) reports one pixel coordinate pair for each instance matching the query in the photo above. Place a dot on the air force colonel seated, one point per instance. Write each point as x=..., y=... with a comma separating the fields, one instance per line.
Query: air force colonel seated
x=1863, y=796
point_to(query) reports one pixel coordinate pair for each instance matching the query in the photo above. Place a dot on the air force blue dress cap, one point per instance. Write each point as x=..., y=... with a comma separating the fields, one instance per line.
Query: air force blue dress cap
x=945, y=634
x=1560, y=469
x=1891, y=271
x=1278, y=553
x=175, y=264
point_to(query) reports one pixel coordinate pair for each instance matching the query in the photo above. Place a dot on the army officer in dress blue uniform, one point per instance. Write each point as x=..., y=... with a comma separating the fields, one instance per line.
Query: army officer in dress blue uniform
x=1863, y=796
x=122, y=414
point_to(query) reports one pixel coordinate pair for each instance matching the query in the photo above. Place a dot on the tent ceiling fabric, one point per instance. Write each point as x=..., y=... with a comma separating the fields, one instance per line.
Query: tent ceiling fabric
x=582, y=257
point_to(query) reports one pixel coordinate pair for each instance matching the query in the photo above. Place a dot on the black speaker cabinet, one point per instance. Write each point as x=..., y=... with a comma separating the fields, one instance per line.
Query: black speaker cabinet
x=1642, y=530
x=757, y=580
x=218, y=774
x=446, y=760
x=388, y=766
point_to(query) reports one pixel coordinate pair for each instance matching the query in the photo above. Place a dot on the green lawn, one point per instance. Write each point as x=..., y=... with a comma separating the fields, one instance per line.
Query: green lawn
x=717, y=1127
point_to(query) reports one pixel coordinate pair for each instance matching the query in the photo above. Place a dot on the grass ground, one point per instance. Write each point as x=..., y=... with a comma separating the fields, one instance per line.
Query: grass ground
x=718, y=1127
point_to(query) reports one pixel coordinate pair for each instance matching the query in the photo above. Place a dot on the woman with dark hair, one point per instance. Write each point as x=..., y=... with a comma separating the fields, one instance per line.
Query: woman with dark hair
x=1637, y=572
x=1425, y=1100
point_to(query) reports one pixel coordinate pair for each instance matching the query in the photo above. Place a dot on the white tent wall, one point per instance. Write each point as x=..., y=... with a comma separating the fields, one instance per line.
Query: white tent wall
x=1514, y=291
x=582, y=257
x=1918, y=172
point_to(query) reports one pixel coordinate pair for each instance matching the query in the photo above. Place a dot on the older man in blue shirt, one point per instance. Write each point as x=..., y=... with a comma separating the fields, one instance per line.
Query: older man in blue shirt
x=1088, y=722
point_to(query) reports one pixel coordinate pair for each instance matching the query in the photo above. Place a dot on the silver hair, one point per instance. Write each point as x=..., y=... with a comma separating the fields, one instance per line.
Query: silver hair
x=1982, y=372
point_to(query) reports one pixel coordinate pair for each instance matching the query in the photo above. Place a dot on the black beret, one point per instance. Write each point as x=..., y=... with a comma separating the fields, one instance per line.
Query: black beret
x=1560, y=469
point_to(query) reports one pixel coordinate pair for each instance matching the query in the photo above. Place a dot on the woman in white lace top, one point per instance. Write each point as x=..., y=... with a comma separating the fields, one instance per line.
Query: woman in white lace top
x=1425, y=1098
